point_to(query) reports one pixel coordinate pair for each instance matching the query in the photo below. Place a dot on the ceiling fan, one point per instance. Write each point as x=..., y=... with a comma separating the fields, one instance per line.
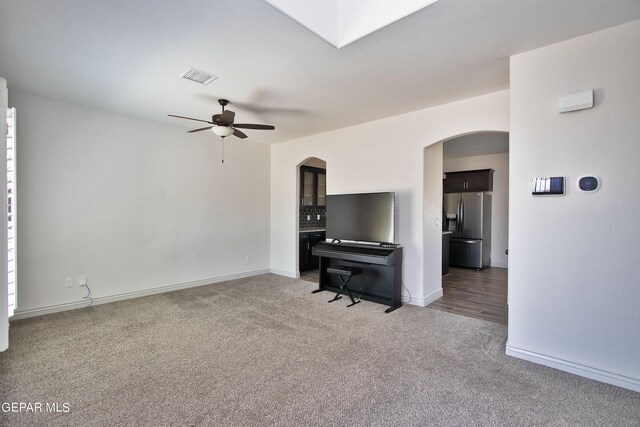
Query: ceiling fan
x=222, y=124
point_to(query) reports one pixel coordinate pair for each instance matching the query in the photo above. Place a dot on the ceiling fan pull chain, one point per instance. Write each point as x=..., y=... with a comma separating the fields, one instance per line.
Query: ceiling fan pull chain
x=222, y=150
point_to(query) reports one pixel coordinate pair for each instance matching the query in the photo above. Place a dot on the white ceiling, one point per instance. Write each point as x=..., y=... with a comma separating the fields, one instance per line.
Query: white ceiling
x=126, y=56
x=476, y=144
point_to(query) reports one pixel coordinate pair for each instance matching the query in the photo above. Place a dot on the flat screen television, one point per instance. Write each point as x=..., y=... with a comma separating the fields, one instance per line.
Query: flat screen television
x=365, y=217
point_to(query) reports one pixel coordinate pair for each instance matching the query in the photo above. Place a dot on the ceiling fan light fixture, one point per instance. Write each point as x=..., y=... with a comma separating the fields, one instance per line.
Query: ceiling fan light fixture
x=222, y=131
x=223, y=124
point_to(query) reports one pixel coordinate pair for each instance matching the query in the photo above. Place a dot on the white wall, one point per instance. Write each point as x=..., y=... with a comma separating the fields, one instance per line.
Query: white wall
x=134, y=205
x=432, y=208
x=499, y=200
x=574, y=287
x=384, y=155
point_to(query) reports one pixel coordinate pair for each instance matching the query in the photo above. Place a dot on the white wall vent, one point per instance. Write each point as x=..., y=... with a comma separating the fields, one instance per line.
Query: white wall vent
x=198, y=76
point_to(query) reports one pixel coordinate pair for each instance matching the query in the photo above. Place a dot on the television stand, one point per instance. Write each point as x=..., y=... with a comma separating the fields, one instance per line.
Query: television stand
x=381, y=277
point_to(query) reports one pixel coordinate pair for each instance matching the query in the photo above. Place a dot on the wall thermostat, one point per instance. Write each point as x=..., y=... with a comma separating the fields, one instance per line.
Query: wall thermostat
x=588, y=183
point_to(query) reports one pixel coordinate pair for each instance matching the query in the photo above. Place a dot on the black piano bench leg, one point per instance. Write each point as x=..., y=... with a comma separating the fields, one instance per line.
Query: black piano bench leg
x=345, y=286
x=337, y=297
x=353, y=302
x=315, y=291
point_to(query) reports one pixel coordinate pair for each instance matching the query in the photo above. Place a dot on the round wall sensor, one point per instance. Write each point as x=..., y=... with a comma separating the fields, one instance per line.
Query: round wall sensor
x=588, y=183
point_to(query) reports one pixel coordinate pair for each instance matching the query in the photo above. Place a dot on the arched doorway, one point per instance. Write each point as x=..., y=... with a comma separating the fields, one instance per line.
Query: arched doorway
x=473, y=221
x=311, y=214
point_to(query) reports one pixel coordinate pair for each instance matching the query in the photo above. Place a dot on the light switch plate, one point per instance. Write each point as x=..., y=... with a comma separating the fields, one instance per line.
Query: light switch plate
x=548, y=186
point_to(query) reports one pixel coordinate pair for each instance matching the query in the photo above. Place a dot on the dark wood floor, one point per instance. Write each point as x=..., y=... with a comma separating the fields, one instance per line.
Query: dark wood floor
x=480, y=294
x=311, y=276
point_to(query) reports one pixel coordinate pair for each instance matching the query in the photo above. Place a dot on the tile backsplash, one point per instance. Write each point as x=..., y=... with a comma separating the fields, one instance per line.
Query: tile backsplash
x=313, y=222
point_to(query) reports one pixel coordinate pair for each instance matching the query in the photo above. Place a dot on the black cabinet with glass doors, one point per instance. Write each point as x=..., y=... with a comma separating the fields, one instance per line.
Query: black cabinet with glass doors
x=313, y=187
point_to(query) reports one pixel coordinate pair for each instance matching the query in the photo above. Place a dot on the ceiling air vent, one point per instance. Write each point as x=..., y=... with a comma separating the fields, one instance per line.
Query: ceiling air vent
x=198, y=76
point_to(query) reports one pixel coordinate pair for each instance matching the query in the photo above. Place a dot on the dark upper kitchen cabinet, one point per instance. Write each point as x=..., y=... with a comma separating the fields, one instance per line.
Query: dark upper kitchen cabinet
x=308, y=240
x=465, y=181
x=313, y=187
x=307, y=184
x=321, y=189
x=481, y=180
x=455, y=183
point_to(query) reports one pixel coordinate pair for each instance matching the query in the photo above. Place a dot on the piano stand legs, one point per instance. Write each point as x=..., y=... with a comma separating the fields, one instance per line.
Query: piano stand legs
x=353, y=303
x=344, y=286
x=315, y=291
x=390, y=309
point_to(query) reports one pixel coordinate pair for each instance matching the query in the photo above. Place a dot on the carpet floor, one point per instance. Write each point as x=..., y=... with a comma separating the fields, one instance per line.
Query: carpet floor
x=265, y=351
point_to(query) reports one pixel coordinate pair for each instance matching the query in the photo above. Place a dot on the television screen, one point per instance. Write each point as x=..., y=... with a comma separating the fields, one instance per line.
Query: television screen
x=367, y=217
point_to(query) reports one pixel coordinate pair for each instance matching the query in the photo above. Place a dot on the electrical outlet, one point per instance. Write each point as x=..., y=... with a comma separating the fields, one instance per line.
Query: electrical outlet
x=68, y=282
x=82, y=280
x=247, y=259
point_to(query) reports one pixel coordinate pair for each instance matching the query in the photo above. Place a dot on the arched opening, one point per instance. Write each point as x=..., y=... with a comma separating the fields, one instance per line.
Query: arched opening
x=466, y=193
x=311, y=188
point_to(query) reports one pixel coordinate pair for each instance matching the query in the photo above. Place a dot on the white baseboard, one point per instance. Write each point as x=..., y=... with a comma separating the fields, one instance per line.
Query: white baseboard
x=590, y=372
x=422, y=302
x=39, y=311
x=501, y=264
x=293, y=275
x=432, y=297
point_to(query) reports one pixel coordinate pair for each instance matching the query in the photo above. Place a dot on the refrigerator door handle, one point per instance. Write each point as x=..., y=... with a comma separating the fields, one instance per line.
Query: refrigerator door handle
x=457, y=216
x=458, y=213
x=461, y=214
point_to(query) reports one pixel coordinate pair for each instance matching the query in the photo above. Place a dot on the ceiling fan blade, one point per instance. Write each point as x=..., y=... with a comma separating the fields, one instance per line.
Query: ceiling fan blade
x=227, y=117
x=190, y=118
x=216, y=118
x=254, y=126
x=198, y=130
x=239, y=134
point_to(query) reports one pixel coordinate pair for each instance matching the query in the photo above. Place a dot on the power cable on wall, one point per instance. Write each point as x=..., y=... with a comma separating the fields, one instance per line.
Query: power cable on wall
x=405, y=288
x=88, y=296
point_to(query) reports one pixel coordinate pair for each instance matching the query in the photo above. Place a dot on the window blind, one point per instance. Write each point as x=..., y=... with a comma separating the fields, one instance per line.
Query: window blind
x=11, y=209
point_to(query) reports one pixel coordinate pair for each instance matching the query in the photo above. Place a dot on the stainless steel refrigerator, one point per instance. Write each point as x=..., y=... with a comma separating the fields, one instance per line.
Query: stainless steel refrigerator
x=468, y=216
